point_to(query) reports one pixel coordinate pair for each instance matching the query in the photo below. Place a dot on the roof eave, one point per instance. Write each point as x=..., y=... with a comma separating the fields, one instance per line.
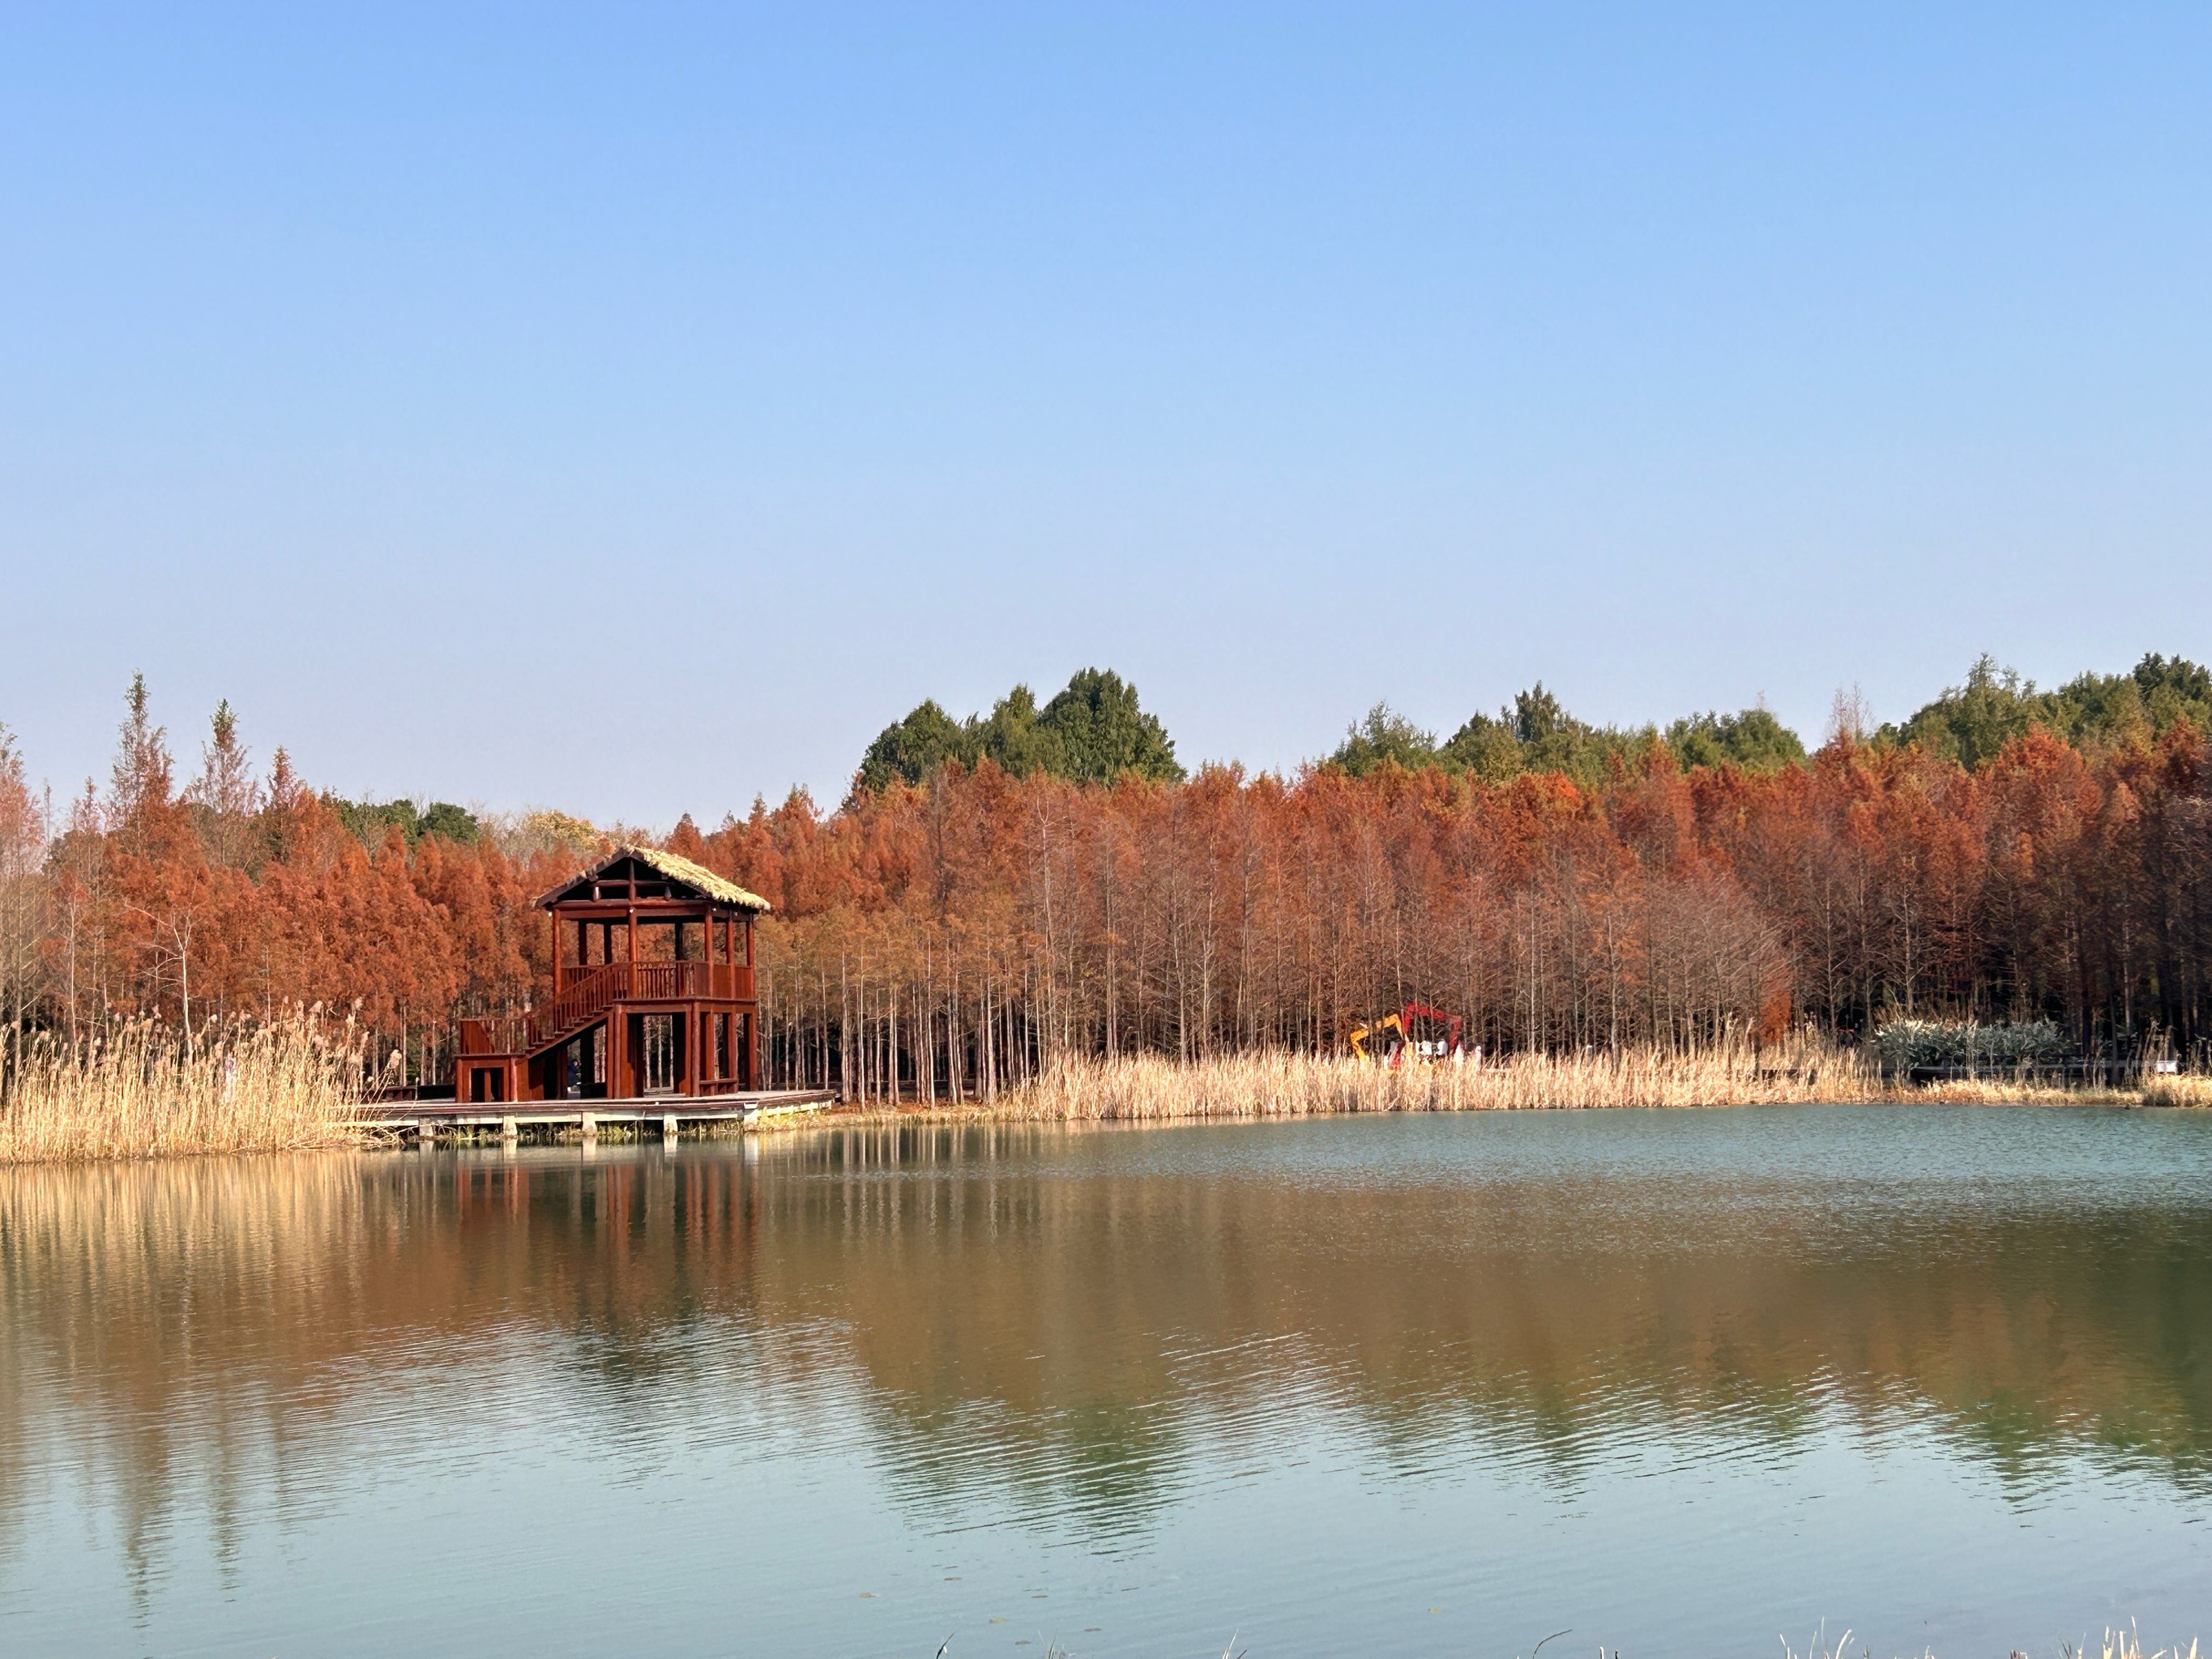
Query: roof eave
x=734, y=896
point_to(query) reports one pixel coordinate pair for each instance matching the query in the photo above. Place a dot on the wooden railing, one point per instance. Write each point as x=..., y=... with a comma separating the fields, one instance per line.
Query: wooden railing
x=501, y=1034
x=579, y=1005
x=585, y=1000
x=675, y=980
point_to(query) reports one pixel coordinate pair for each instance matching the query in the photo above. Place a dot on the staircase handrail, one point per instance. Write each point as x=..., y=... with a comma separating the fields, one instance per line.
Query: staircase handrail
x=585, y=1000
x=577, y=1005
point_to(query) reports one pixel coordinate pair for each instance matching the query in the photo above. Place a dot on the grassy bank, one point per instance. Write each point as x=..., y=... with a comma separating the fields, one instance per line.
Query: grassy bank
x=140, y=1089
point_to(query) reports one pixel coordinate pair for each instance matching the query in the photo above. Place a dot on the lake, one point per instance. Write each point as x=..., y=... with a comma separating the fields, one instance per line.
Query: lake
x=1672, y=1381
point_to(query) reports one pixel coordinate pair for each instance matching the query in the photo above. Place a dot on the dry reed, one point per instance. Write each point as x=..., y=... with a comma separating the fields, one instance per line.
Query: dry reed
x=1998, y=1089
x=142, y=1089
x=1282, y=1084
x=2117, y=1644
x=2173, y=1090
x=2127, y=1644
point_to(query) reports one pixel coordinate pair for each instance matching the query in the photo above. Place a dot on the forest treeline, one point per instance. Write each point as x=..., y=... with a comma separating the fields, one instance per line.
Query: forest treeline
x=1969, y=723
x=1096, y=731
x=1047, y=880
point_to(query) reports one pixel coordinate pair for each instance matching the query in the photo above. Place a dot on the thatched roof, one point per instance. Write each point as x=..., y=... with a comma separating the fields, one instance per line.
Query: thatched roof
x=697, y=876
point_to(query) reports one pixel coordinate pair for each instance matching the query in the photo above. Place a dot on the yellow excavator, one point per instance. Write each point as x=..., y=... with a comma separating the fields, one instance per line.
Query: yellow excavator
x=1359, y=1034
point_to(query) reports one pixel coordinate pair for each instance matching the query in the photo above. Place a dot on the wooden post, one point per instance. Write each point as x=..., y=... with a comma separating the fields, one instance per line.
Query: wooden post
x=752, y=1018
x=630, y=1060
x=691, y=1046
x=668, y=1129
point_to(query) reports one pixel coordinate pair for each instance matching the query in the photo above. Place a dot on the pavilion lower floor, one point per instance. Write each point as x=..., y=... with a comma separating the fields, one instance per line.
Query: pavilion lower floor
x=630, y=1052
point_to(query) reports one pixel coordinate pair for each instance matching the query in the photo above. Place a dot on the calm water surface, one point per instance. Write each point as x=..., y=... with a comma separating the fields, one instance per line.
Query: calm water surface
x=1675, y=1382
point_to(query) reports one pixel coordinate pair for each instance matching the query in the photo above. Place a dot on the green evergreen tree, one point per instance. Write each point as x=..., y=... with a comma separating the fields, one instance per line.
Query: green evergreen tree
x=1104, y=733
x=913, y=748
x=2131, y=708
x=455, y=823
x=2179, y=690
x=1552, y=741
x=1014, y=739
x=369, y=819
x=1538, y=718
x=1752, y=739
x=1486, y=747
x=1535, y=733
x=1970, y=723
x=1093, y=732
x=1385, y=737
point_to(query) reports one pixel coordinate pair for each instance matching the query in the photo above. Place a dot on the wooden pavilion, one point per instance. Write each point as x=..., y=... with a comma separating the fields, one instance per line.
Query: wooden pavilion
x=652, y=992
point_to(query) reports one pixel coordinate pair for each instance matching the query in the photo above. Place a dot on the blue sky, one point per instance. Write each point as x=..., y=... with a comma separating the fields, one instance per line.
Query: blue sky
x=633, y=409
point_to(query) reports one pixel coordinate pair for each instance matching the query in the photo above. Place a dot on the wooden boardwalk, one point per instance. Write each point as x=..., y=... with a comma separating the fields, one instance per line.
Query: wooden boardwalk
x=426, y=1119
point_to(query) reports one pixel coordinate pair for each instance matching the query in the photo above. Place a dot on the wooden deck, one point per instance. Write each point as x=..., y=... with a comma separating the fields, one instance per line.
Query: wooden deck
x=426, y=1119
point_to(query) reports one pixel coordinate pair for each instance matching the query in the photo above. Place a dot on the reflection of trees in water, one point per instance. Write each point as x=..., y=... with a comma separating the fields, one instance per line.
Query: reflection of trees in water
x=1099, y=1472
x=207, y=1332
x=628, y=1257
x=1553, y=1326
x=1039, y=1331
x=162, y=1328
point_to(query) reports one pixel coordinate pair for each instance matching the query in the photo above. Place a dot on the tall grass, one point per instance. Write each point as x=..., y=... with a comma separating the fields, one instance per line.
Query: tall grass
x=2117, y=1644
x=1279, y=1085
x=2177, y=1090
x=140, y=1088
x=2128, y=1644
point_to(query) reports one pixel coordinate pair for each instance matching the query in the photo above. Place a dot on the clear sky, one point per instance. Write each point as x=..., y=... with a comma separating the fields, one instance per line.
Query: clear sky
x=633, y=409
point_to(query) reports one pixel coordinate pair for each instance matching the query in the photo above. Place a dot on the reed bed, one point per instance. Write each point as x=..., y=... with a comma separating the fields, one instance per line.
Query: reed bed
x=142, y=1089
x=1281, y=1085
x=2117, y=1644
x=2000, y=1091
x=2190, y=1090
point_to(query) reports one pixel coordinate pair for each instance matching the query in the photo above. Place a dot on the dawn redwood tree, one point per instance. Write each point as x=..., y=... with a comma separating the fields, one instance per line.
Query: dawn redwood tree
x=23, y=897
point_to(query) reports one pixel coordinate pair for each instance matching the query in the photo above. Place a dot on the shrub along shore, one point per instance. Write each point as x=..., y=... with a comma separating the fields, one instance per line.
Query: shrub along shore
x=139, y=1089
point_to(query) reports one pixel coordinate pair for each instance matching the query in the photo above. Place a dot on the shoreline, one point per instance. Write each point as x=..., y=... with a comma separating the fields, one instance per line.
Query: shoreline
x=1243, y=1088
x=1005, y=1113
x=302, y=1103
x=881, y=1115
x=1153, y=1091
